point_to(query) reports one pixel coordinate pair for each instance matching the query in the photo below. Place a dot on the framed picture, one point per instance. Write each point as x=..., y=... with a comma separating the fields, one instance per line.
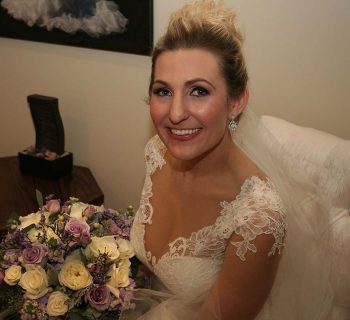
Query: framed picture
x=118, y=25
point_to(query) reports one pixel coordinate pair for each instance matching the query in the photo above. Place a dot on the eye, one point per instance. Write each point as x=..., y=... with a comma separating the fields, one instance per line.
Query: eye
x=162, y=92
x=199, y=92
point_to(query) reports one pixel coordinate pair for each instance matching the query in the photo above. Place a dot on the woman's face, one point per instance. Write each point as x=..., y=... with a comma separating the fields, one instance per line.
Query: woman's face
x=190, y=105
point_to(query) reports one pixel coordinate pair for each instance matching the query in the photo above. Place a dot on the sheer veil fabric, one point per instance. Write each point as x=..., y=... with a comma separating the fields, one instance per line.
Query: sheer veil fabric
x=302, y=288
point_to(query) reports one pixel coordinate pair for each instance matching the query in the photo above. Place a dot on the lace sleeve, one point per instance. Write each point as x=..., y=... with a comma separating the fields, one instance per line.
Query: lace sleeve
x=257, y=210
x=154, y=155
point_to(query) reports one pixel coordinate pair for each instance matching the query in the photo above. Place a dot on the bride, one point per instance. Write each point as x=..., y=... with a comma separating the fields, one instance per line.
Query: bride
x=225, y=230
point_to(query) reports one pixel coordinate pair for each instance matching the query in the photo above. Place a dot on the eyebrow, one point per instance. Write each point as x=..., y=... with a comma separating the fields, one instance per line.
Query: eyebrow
x=187, y=83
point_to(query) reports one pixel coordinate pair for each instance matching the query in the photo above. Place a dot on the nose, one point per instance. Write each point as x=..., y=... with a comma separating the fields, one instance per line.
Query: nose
x=178, y=110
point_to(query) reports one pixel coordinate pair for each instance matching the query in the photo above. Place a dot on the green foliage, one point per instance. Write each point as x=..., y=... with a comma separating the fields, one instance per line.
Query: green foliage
x=11, y=300
x=26, y=229
x=75, y=315
x=110, y=315
x=39, y=198
x=52, y=243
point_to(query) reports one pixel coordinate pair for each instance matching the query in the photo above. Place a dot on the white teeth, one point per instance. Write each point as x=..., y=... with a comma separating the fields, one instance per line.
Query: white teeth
x=183, y=132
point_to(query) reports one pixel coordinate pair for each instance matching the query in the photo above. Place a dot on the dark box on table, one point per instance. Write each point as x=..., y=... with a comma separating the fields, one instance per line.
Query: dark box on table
x=50, y=169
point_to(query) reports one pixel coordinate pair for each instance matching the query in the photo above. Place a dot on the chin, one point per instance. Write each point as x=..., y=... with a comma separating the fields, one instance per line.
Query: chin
x=188, y=153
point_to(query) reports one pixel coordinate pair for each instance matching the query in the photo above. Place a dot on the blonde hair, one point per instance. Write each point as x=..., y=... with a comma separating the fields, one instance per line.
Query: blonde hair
x=209, y=25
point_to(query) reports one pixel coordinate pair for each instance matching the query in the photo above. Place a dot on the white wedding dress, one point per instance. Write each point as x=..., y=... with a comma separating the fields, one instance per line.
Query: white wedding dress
x=188, y=269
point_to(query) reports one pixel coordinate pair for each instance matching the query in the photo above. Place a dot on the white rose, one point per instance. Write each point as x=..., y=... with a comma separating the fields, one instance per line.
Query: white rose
x=74, y=275
x=56, y=305
x=125, y=249
x=13, y=275
x=119, y=276
x=105, y=244
x=33, y=235
x=33, y=218
x=34, y=281
x=77, y=209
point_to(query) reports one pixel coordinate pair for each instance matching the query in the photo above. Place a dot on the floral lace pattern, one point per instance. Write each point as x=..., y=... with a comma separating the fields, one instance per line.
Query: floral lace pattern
x=256, y=210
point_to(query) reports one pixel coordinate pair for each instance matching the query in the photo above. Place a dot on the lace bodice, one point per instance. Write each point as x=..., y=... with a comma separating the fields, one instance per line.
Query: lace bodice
x=256, y=210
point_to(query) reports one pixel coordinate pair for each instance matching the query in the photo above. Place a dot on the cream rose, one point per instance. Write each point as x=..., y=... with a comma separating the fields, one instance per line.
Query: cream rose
x=56, y=305
x=34, y=281
x=74, y=275
x=51, y=234
x=77, y=209
x=12, y=275
x=33, y=218
x=33, y=235
x=119, y=276
x=105, y=244
x=125, y=249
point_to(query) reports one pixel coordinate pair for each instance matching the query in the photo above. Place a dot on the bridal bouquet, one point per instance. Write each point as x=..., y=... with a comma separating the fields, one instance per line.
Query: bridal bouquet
x=69, y=261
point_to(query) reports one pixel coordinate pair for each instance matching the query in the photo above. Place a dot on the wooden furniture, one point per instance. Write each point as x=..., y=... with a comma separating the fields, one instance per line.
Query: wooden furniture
x=17, y=190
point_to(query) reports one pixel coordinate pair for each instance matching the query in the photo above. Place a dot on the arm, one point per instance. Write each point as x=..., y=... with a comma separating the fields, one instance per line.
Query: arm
x=242, y=287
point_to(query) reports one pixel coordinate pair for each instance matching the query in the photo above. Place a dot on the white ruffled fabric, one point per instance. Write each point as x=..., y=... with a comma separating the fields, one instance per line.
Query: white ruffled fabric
x=313, y=279
x=106, y=19
x=323, y=159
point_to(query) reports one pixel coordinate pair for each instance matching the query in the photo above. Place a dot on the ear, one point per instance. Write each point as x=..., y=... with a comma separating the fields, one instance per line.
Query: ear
x=238, y=105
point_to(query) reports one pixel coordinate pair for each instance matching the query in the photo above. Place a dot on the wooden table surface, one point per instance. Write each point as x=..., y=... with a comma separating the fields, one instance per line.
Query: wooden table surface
x=17, y=190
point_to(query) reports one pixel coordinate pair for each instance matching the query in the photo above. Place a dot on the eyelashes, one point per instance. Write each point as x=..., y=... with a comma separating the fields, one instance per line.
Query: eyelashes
x=195, y=91
x=162, y=92
x=199, y=92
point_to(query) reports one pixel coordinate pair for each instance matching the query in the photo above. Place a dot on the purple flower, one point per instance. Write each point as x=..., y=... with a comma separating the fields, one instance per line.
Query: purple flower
x=89, y=211
x=53, y=206
x=94, y=267
x=78, y=229
x=35, y=254
x=11, y=256
x=112, y=228
x=99, y=298
x=108, y=214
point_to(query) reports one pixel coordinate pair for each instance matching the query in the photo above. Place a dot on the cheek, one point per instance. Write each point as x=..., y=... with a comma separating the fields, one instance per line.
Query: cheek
x=214, y=115
x=153, y=112
x=157, y=113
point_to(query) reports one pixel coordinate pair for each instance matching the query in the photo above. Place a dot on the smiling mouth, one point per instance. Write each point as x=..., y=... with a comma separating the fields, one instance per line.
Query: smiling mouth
x=184, y=132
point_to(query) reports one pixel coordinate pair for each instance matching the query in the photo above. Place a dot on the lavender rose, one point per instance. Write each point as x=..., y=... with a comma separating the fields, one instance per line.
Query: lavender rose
x=99, y=298
x=78, y=229
x=35, y=254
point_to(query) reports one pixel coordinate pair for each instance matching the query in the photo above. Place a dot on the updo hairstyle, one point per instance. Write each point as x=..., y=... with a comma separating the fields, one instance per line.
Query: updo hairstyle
x=208, y=25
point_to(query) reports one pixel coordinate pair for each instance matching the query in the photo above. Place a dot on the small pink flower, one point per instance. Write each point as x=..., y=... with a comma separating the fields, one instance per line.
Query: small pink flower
x=53, y=206
x=89, y=211
x=94, y=267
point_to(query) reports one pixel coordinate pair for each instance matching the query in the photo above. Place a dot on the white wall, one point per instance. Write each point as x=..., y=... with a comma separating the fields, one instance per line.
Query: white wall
x=297, y=53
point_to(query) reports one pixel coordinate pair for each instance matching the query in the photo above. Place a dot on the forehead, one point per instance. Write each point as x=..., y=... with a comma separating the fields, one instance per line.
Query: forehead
x=186, y=64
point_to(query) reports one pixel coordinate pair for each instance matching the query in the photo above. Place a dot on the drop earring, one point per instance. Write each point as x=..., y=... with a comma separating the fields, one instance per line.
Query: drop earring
x=232, y=125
